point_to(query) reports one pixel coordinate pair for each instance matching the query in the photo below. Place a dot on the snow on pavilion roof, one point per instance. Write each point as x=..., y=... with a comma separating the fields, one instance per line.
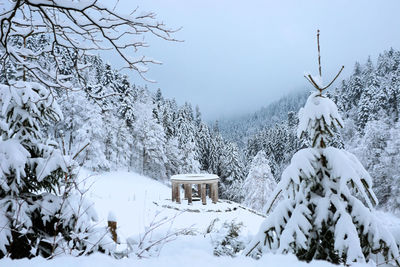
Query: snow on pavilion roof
x=194, y=177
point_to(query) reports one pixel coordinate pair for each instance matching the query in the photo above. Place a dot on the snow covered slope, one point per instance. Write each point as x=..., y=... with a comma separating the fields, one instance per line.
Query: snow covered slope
x=135, y=200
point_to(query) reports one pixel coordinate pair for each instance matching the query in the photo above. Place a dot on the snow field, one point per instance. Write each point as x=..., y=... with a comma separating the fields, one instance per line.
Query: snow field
x=130, y=197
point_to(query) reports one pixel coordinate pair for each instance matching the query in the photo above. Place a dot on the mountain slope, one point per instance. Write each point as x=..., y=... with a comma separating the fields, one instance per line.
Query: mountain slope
x=239, y=129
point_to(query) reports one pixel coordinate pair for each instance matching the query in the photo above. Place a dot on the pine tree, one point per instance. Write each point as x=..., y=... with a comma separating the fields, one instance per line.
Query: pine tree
x=38, y=207
x=149, y=139
x=185, y=132
x=390, y=158
x=197, y=116
x=231, y=176
x=84, y=125
x=174, y=157
x=203, y=142
x=259, y=184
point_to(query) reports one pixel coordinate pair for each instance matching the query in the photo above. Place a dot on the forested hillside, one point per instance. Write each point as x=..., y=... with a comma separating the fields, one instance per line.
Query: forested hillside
x=368, y=100
x=239, y=129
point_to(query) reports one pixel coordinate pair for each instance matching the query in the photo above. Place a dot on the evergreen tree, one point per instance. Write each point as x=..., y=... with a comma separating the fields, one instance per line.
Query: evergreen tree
x=231, y=165
x=84, y=125
x=231, y=176
x=197, y=116
x=149, y=140
x=259, y=184
x=390, y=159
x=203, y=142
x=174, y=157
x=185, y=132
x=38, y=208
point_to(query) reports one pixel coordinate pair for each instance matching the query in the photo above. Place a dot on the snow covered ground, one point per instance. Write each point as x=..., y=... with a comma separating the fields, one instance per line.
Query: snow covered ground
x=136, y=200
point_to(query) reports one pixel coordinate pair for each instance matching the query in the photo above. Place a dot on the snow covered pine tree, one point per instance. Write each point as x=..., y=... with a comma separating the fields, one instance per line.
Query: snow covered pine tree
x=40, y=214
x=259, y=183
x=319, y=216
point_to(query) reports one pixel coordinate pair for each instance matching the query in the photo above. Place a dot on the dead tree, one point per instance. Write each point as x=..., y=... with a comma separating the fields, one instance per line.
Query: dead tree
x=309, y=78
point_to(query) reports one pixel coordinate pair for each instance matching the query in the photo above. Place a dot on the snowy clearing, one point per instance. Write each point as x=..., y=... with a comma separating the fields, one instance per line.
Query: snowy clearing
x=131, y=198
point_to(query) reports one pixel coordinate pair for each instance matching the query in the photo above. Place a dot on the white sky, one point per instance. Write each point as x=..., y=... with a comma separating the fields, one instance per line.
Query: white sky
x=241, y=55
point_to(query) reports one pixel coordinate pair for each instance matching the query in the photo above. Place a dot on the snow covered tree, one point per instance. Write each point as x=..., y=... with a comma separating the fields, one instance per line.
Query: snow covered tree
x=320, y=217
x=231, y=164
x=174, y=157
x=149, y=140
x=370, y=149
x=259, y=184
x=39, y=212
x=231, y=176
x=203, y=142
x=185, y=132
x=390, y=158
x=83, y=125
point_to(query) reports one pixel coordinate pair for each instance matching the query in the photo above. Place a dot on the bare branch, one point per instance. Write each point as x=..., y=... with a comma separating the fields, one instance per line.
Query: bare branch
x=82, y=26
x=311, y=80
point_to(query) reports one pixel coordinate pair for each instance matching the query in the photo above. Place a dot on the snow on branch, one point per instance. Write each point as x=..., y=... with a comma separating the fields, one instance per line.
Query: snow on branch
x=319, y=110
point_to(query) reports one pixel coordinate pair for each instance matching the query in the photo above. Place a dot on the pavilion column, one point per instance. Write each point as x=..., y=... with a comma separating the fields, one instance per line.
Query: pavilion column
x=173, y=191
x=199, y=189
x=186, y=188
x=189, y=189
x=214, y=192
x=206, y=184
x=203, y=194
x=177, y=194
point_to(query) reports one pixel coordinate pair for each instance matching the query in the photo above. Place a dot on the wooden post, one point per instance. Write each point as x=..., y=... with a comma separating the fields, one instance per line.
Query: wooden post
x=178, y=194
x=112, y=226
x=203, y=194
x=113, y=229
x=189, y=194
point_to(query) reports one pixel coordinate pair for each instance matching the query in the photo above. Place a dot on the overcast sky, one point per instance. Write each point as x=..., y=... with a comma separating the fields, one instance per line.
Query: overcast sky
x=238, y=56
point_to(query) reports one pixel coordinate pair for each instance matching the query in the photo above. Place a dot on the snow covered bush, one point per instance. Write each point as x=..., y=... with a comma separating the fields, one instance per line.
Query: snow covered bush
x=40, y=211
x=228, y=241
x=259, y=183
x=319, y=216
x=151, y=241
